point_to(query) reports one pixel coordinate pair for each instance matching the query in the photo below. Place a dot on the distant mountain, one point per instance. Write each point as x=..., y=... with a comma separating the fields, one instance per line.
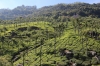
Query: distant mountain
x=17, y=12
x=82, y=9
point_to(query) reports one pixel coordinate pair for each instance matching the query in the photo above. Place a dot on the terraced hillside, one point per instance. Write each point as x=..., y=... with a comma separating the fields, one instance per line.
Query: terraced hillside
x=74, y=42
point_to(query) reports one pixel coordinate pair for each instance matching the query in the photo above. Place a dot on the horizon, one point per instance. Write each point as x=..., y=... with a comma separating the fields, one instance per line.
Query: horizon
x=11, y=4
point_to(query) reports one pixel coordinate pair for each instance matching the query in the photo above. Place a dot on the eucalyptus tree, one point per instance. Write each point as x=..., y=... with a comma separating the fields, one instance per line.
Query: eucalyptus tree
x=41, y=43
x=55, y=42
x=20, y=20
x=2, y=40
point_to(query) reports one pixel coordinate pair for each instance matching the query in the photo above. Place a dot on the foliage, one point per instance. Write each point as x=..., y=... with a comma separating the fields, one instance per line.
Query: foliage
x=38, y=40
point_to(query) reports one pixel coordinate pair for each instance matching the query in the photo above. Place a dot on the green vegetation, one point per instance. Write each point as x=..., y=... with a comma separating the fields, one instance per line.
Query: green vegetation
x=28, y=43
x=51, y=40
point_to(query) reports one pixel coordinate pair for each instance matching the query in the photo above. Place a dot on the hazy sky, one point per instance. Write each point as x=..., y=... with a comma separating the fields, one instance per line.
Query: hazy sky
x=39, y=3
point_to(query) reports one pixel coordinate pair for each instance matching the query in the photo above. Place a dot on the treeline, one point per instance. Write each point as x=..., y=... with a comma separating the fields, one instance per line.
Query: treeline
x=83, y=9
x=60, y=11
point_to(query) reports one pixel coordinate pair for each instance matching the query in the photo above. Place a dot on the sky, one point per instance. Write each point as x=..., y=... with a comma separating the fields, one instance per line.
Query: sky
x=11, y=4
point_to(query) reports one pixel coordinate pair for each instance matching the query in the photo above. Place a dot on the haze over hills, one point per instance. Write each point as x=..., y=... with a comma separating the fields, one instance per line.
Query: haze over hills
x=82, y=9
x=17, y=12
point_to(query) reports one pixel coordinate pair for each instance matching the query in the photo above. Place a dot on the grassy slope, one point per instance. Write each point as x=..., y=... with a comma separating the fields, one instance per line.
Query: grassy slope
x=69, y=39
x=42, y=25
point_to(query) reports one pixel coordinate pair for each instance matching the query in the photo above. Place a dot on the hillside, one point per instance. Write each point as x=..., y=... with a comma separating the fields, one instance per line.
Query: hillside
x=42, y=43
x=20, y=11
x=58, y=35
x=55, y=11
